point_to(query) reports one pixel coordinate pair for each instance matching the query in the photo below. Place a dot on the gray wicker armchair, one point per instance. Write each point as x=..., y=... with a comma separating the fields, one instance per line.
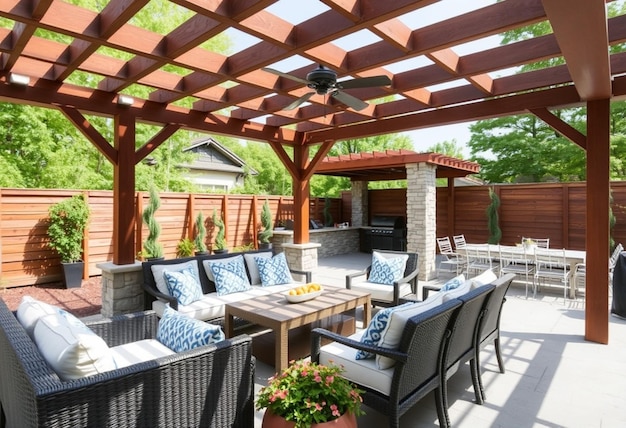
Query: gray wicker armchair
x=210, y=386
x=417, y=371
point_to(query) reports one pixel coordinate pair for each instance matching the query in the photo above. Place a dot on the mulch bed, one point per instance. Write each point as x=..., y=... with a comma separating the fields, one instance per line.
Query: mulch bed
x=83, y=301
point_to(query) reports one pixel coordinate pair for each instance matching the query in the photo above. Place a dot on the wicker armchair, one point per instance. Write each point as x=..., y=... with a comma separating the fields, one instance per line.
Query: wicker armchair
x=210, y=386
x=417, y=370
x=382, y=294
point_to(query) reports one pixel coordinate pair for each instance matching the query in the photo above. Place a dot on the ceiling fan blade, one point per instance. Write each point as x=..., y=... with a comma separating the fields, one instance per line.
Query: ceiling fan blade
x=349, y=100
x=364, y=82
x=304, y=98
x=285, y=75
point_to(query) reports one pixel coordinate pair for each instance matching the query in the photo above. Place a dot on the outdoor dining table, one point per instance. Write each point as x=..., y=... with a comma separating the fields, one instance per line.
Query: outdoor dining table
x=572, y=257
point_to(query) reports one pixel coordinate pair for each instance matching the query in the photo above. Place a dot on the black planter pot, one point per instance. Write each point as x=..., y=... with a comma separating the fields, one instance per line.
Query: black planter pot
x=265, y=245
x=201, y=253
x=155, y=259
x=73, y=274
x=220, y=251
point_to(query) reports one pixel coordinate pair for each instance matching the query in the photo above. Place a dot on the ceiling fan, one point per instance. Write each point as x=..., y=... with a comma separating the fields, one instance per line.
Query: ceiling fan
x=324, y=82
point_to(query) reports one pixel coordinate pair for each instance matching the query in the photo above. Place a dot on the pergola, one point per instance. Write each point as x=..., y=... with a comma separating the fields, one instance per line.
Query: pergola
x=233, y=95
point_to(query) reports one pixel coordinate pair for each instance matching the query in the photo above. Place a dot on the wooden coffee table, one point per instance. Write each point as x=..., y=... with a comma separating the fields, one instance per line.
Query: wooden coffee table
x=274, y=312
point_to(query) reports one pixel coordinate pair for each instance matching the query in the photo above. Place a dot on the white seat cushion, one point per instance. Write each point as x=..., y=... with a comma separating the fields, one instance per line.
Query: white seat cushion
x=211, y=305
x=381, y=292
x=363, y=372
x=139, y=352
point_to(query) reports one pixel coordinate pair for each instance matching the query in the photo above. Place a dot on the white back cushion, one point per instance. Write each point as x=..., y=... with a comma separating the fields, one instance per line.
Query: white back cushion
x=31, y=310
x=71, y=348
x=157, y=273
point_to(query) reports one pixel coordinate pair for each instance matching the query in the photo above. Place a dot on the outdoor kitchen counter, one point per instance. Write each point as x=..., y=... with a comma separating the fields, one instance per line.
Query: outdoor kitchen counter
x=334, y=241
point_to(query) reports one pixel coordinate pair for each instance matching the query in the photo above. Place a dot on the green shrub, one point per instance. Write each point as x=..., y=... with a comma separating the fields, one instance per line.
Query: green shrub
x=68, y=220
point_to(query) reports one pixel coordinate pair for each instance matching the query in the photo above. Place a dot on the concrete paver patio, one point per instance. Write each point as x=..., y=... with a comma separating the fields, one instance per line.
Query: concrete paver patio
x=554, y=378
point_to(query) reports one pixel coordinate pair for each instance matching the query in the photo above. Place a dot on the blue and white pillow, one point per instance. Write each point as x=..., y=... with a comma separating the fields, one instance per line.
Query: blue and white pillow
x=387, y=270
x=274, y=270
x=181, y=333
x=230, y=277
x=453, y=283
x=183, y=285
x=374, y=330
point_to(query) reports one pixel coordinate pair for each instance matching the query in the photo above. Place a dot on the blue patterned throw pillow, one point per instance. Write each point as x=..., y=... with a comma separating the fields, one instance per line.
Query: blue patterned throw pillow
x=183, y=285
x=374, y=330
x=274, y=271
x=453, y=283
x=230, y=277
x=181, y=333
x=387, y=270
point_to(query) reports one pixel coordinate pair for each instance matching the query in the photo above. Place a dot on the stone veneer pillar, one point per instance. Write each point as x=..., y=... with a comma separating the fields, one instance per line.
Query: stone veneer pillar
x=421, y=211
x=360, y=203
x=301, y=256
x=122, y=290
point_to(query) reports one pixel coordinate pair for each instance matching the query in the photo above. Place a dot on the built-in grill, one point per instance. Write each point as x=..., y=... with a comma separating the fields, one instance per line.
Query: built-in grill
x=388, y=233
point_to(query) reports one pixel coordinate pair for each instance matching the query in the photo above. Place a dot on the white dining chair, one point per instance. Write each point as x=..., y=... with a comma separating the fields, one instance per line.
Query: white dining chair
x=551, y=266
x=579, y=276
x=517, y=261
x=452, y=261
x=480, y=259
x=459, y=242
x=539, y=242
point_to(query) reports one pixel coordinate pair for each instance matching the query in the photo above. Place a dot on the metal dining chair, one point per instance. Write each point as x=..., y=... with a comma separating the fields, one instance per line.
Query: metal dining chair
x=551, y=266
x=452, y=261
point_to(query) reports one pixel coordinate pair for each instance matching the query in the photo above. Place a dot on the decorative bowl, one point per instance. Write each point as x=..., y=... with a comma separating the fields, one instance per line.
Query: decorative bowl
x=298, y=298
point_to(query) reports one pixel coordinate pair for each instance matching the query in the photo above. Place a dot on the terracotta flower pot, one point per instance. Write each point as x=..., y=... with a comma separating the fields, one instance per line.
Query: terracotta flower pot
x=270, y=420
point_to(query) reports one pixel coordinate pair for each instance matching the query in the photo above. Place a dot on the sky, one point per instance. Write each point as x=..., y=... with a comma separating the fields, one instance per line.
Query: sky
x=296, y=12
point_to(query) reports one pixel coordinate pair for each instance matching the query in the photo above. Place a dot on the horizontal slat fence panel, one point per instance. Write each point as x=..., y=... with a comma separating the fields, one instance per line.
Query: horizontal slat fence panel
x=552, y=210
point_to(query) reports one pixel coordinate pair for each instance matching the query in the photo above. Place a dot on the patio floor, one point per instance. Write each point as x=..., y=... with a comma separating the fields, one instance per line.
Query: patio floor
x=554, y=378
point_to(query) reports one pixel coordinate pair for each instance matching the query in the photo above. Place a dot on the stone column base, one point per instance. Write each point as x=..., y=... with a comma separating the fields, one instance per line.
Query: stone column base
x=121, y=288
x=301, y=256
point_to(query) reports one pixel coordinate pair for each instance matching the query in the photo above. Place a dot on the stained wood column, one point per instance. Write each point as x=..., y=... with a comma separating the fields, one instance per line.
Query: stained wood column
x=124, y=190
x=301, y=197
x=597, y=239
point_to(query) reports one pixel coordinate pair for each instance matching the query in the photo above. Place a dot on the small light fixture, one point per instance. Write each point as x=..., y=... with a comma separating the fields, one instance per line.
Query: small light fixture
x=19, y=79
x=125, y=100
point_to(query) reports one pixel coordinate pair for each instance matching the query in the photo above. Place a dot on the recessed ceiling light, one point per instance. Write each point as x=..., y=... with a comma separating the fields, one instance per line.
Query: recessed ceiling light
x=19, y=79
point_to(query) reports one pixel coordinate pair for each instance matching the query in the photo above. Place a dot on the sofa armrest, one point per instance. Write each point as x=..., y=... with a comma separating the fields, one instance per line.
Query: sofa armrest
x=157, y=294
x=316, y=343
x=308, y=275
x=410, y=279
x=126, y=328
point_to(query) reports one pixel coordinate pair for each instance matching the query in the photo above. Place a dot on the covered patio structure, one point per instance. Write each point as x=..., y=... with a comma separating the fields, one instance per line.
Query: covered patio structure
x=236, y=95
x=421, y=171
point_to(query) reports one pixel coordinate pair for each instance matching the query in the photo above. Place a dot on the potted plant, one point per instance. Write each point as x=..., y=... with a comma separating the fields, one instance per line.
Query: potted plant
x=185, y=248
x=266, y=222
x=200, y=235
x=220, y=240
x=66, y=229
x=307, y=394
x=328, y=217
x=152, y=249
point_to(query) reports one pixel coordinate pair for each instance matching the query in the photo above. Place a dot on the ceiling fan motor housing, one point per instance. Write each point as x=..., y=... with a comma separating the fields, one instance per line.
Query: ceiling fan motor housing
x=322, y=79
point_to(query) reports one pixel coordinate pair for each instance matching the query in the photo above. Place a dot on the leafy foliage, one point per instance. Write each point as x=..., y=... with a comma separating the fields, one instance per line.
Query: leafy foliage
x=308, y=393
x=185, y=248
x=493, y=221
x=220, y=240
x=266, y=221
x=152, y=248
x=66, y=229
x=200, y=233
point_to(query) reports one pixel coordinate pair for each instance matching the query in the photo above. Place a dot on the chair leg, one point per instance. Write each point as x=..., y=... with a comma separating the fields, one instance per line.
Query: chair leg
x=496, y=344
x=442, y=411
x=476, y=381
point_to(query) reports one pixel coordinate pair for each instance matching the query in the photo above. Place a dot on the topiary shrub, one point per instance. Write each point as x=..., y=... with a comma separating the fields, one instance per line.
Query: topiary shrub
x=151, y=247
x=266, y=222
x=200, y=233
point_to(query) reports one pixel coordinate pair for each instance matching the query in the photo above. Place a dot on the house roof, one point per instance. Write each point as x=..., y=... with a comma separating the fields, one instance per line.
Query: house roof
x=438, y=70
x=214, y=156
x=390, y=165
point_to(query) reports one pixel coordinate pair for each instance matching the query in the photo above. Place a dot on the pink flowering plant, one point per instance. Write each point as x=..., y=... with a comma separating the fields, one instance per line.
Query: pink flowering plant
x=308, y=393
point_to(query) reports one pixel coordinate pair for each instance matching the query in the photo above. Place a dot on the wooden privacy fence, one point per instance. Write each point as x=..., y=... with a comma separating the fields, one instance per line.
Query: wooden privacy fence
x=26, y=259
x=552, y=210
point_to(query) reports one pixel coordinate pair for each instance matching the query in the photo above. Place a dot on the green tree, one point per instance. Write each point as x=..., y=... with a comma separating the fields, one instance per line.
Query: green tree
x=448, y=148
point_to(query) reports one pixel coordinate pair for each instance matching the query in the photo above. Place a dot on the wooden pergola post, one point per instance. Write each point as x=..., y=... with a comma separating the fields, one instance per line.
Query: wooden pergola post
x=301, y=197
x=597, y=239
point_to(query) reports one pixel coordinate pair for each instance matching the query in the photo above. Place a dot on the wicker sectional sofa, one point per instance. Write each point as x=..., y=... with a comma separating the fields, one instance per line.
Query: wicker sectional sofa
x=211, y=305
x=209, y=386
